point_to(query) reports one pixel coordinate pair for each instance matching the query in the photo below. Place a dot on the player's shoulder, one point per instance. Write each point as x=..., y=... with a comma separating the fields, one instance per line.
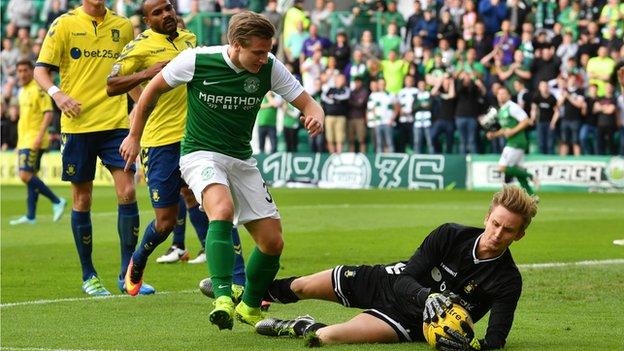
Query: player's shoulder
x=206, y=50
x=186, y=34
x=117, y=18
x=64, y=22
x=459, y=231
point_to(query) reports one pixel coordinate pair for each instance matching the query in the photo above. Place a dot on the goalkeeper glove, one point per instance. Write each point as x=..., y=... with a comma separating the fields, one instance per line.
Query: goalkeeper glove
x=434, y=307
x=456, y=341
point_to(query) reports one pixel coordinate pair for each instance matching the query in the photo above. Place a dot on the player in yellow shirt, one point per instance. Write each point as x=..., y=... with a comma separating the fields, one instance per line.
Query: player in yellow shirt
x=33, y=139
x=140, y=61
x=83, y=44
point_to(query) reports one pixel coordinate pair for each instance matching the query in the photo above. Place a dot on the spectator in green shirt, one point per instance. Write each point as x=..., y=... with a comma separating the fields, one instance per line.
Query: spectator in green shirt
x=391, y=41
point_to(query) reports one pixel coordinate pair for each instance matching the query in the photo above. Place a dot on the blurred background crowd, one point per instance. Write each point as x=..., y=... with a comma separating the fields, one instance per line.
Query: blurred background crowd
x=406, y=76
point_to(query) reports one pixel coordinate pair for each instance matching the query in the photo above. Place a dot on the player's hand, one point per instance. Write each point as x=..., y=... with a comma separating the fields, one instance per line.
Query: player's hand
x=36, y=144
x=491, y=135
x=313, y=124
x=434, y=307
x=69, y=106
x=457, y=341
x=129, y=150
x=154, y=69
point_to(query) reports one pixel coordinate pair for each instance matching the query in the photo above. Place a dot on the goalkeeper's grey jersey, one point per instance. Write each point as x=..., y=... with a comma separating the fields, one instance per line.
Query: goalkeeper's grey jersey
x=223, y=100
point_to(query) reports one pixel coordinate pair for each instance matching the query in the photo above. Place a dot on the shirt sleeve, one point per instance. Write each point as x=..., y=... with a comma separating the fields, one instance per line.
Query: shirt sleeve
x=181, y=69
x=284, y=83
x=502, y=315
x=128, y=62
x=517, y=112
x=53, y=46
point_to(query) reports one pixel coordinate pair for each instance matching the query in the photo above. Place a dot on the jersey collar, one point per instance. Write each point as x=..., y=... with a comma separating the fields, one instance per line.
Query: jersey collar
x=81, y=13
x=149, y=31
x=226, y=57
x=474, y=253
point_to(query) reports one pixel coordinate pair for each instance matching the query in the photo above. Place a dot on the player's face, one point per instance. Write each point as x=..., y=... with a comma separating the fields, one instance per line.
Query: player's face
x=160, y=16
x=254, y=56
x=503, y=96
x=24, y=74
x=502, y=227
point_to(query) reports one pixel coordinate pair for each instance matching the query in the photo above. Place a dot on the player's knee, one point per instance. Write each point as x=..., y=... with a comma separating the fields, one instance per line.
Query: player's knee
x=222, y=212
x=126, y=194
x=273, y=246
x=82, y=201
x=189, y=198
x=327, y=336
x=300, y=286
x=165, y=224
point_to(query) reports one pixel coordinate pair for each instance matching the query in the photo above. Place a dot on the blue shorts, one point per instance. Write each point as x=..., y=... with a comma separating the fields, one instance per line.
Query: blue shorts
x=162, y=173
x=29, y=160
x=80, y=153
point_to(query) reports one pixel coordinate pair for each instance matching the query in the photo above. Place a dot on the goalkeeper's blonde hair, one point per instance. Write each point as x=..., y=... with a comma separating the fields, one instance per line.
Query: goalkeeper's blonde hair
x=518, y=201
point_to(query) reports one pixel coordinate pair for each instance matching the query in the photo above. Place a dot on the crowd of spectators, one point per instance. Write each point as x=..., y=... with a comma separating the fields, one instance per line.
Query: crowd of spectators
x=394, y=81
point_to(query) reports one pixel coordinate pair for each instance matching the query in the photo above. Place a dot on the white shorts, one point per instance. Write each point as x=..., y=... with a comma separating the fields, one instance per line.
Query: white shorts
x=511, y=157
x=252, y=199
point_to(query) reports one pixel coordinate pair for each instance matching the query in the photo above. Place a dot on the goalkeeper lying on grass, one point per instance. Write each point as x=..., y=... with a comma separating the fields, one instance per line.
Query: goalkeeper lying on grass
x=455, y=263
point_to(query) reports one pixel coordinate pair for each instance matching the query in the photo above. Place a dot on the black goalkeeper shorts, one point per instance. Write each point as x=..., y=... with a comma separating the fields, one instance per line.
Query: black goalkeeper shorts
x=371, y=288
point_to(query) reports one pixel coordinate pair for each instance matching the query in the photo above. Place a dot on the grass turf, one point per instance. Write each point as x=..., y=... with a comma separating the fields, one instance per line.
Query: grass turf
x=562, y=308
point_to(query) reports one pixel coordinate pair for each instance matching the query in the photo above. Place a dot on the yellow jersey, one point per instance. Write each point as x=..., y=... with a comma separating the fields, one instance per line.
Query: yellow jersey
x=33, y=104
x=165, y=124
x=84, y=49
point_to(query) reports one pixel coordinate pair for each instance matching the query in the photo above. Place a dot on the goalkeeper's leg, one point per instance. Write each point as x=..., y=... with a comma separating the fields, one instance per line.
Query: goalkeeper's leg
x=315, y=286
x=361, y=329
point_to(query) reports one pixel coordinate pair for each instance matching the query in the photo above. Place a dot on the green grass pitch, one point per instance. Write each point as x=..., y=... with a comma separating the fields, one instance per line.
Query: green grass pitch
x=569, y=307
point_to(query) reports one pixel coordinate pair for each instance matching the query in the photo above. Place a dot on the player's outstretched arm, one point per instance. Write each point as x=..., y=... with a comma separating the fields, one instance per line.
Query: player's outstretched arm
x=313, y=114
x=118, y=84
x=69, y=106
x=130, y=147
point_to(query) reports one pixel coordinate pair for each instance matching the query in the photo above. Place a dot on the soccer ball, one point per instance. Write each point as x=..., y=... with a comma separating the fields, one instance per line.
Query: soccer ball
x=454, y=315
x=489, y=120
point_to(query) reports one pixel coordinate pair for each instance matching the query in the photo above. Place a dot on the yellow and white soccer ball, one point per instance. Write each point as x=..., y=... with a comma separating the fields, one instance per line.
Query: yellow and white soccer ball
x=452, y=319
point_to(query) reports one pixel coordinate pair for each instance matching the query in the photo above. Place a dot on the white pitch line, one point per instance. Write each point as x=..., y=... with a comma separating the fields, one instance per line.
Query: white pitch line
x=615, y=261
x=73, y=299
x=571, y=264
x=419, y=206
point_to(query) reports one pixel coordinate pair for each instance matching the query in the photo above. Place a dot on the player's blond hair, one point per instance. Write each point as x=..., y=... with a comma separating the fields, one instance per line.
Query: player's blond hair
x=516, y=200
x=245, y=25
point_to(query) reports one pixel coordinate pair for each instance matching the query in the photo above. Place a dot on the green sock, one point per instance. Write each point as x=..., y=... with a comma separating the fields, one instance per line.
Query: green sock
x=522, y=175
x=220, y=257
x=261, y=270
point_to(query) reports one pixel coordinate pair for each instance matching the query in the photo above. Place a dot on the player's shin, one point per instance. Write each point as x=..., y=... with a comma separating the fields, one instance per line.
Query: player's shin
x=83, y=238
x=180, y=227
x=151, y=240
x=220, y=256
x=261, y=270
x=279, y=291
x=128, y=230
